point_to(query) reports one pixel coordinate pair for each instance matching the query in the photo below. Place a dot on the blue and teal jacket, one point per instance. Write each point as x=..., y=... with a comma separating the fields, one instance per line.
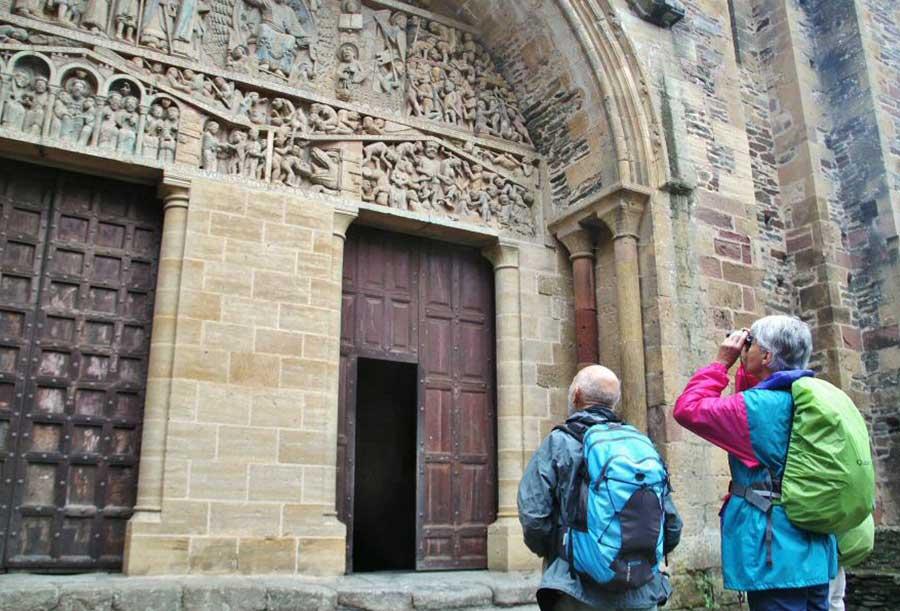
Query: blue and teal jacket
x=754, y=427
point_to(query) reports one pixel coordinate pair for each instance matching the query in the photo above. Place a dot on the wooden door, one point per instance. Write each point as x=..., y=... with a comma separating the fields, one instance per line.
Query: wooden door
x=431, y=303
x=75, y=339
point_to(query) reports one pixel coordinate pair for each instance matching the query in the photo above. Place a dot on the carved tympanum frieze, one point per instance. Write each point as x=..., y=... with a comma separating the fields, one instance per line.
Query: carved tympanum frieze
x=357, y=99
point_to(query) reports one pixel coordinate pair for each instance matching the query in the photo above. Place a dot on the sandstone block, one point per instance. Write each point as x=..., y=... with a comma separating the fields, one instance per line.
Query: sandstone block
x=293, y=596
x=228, y=337
x=279, y=408
x=214, y=556
x=157, y=556
x=246, y=445
x=302, y=448
x=220, y=404
x=266, y=206
x=191, y=441
x=276, y=483
x=256, y=370
x=235, y=227
x=305, y=319
x=227, y=279
x=201, y=364
x=147, y=595
x=288, y=236
x=266, y=556
x=244, y=519
x=281, y=287
x=252, y=312
x=307, y=375
x=218, y=480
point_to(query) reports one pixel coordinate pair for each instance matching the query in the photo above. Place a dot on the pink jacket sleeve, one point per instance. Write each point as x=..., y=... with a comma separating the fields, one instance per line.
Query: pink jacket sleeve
x=720, y=420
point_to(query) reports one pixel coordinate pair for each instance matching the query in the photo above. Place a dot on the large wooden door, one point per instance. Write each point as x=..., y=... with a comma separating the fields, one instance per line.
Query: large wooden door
x=431, y=303
x=77, y=274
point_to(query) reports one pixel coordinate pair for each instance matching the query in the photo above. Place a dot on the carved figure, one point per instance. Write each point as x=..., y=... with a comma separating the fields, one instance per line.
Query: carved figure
x=279, y=35
x=349, y=72
x=209, y=146
x=127, y=121
x=255, y=156
x=157, y=23
x=85, y=120
x=125, y=16
x=12, y=33
x=323, y=118
x=109, y=127
x=14, y=109
x=38, y=99
x=372, y=126
x=27, y=8
x=348, y=122
x=168, y=140
x=96, y=16
x=282, y=112
x=153, y=126
x=61, y=117
x=390, y=61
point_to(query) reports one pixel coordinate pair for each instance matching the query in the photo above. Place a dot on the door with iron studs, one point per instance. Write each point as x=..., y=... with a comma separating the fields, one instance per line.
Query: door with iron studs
x=78, y=264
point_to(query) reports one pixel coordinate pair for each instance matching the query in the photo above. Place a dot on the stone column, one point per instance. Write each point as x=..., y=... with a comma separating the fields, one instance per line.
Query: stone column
x=580, y=244
x=325, y=552
x=624, y=221
x=506, y=547
x=175, y=193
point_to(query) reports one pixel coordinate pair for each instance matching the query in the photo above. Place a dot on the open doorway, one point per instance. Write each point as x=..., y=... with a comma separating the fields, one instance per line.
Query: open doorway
x=384, y=513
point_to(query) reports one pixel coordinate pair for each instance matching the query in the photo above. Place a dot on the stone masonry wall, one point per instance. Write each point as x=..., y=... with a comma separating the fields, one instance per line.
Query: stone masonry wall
x=247, y=479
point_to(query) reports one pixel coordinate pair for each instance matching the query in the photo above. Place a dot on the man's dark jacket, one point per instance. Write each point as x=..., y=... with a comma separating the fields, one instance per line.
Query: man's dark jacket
x=544, y=494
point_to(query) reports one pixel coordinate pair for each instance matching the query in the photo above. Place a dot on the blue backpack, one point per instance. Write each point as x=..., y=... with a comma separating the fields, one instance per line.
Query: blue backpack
x=615, y=536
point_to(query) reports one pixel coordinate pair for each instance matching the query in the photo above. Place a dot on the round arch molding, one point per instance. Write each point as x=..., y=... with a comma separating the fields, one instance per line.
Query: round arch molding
x=572, y=60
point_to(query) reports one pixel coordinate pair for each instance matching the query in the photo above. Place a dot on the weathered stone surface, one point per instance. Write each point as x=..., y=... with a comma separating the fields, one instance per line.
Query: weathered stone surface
x=29, y=597
x=147, y=595
x=451, y=596
x=375, y=599
x=225, y=594
x=291, y=596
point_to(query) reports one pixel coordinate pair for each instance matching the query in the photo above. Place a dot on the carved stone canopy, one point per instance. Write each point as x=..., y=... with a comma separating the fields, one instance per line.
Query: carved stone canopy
x=664, y=13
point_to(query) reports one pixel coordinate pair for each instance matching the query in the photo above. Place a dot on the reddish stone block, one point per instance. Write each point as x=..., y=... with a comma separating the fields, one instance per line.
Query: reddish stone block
x=734, y=236
x=710, y=266
x=885, y=337
x=798, y=243
x=712, y=217
x=852, y=338
x=728, y=249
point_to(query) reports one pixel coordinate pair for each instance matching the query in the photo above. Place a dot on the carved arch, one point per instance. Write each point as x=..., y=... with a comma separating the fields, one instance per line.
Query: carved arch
x=22, y=57
x=116, y=78
x=94, y=78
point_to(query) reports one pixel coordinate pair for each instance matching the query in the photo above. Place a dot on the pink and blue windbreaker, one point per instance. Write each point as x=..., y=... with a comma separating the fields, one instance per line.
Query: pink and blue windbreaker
x=753, y=426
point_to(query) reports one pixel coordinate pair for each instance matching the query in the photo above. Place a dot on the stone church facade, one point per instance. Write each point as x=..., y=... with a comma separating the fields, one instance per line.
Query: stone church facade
x=236, y=232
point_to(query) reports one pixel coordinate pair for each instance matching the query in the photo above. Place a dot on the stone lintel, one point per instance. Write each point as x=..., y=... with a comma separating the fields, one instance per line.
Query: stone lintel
x=427, y=226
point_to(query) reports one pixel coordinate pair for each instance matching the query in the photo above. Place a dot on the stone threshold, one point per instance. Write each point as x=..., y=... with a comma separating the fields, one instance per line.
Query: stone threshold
x=469, y=590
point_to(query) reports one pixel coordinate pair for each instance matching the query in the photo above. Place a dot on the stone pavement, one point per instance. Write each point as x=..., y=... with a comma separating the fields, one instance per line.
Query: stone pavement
x=474, y=590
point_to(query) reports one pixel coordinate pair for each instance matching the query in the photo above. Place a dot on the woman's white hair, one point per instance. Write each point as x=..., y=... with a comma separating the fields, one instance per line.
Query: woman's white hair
x=788, y=339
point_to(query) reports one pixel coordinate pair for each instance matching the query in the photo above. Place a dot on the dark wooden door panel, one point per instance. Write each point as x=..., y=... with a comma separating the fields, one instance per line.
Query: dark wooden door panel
x=79, y=426
x=413, y=300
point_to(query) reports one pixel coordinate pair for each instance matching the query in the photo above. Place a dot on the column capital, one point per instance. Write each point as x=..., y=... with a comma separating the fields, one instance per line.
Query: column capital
x=174, y=190
x=578, y=241
x=502, y=255
x=624, y=219
x=342, y=219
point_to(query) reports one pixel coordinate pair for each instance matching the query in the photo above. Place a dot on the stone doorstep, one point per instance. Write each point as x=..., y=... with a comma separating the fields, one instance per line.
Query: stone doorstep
x=470, y=591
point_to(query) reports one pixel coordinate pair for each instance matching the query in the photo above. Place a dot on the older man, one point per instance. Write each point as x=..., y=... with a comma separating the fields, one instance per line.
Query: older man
x=781, y=567
x=546, y=502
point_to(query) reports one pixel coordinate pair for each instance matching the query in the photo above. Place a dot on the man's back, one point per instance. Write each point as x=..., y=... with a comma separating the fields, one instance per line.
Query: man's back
x=545, y=496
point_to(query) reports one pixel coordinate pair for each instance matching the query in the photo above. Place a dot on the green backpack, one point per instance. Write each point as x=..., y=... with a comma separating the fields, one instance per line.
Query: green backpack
x=856, y=544
x=829, y=480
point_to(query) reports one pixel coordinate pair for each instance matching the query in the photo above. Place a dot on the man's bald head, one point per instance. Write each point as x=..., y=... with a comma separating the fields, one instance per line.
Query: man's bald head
x=594, y=385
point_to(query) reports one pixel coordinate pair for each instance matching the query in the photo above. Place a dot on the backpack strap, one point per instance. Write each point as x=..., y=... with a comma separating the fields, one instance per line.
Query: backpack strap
x=762, y=496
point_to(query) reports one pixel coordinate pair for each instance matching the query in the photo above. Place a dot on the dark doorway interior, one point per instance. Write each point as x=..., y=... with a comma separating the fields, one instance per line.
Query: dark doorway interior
x=384, y=522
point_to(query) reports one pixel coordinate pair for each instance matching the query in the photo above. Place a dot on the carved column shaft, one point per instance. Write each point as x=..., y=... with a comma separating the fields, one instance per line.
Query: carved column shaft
x=623, y=221
x=176, y=194
x=580, y=244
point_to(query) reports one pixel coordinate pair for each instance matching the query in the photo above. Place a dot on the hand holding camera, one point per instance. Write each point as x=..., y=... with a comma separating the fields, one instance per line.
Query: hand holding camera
x=730, y=349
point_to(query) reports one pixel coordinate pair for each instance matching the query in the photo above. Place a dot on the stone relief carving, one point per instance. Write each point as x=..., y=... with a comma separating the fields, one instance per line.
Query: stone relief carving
x=124, y=121
x=374, y=60
x=424, y=176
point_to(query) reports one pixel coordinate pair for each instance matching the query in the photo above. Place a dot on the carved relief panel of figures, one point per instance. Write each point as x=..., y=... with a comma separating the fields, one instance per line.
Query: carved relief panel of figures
x=27, y=96
x=423, y=176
